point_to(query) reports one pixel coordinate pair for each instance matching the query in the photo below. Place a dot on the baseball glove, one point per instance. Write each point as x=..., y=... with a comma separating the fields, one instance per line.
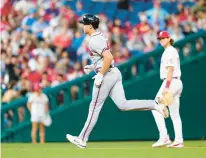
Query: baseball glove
x=166, y=99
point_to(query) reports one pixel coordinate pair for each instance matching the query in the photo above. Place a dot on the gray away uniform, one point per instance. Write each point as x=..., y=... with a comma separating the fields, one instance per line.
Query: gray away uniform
x=111, y=86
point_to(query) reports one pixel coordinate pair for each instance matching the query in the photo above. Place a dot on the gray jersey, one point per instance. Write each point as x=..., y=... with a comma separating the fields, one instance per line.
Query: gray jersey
x=98, y=44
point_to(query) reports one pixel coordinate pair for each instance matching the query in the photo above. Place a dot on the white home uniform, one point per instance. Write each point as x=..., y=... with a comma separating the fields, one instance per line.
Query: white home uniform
x=111, y=86
x=170, y=57
x=38, y=107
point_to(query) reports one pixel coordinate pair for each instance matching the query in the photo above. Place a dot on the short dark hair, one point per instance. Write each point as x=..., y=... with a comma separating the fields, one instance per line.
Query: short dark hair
x=95, y=25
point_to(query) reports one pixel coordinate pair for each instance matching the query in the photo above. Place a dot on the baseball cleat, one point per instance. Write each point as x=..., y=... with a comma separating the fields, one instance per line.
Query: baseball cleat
x=161, y=142
x=176, y=145
x=75, y=140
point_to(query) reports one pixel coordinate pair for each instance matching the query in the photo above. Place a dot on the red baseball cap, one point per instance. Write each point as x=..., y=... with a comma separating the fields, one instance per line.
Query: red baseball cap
x=163, y=34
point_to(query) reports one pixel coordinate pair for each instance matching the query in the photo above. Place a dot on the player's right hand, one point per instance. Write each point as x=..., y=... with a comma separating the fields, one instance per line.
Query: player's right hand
x=88, y=68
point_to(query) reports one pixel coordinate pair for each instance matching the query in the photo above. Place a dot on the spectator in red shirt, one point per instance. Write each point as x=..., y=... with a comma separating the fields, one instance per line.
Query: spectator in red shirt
x=143, y=27
x=32, y=76
x=64, y=38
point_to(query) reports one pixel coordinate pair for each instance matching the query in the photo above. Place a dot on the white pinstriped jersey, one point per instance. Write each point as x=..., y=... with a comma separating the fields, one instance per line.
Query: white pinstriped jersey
x=170, y=57
x=98, y=43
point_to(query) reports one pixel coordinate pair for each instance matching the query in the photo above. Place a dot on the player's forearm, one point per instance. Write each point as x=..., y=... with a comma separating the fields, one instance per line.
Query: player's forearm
x=169, y=76
x=170, y=73
x=106, y=64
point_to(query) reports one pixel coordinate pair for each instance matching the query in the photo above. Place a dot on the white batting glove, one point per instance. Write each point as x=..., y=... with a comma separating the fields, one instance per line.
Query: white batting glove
x=88, y=68
x=98, y=78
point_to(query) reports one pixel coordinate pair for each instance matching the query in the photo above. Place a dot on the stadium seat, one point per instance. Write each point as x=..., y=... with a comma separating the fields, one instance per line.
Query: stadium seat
x=110, y=5
x=166, y=6
x=147, y=5
x=87, y=4
x=189, y=4
x=97, y=7
x=110, y=14
x=137, y=6
x=71, y=4
x=122, y=15
x=133, y=18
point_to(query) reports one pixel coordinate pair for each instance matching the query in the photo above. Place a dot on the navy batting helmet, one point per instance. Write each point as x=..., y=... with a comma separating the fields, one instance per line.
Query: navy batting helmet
x=90, y=19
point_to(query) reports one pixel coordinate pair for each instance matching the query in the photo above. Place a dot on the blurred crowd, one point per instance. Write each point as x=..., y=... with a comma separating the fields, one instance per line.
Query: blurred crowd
x=42, y=41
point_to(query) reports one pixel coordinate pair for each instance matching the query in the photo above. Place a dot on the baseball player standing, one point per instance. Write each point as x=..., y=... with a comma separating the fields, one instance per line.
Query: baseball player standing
x=170, y=73
x=107, y=82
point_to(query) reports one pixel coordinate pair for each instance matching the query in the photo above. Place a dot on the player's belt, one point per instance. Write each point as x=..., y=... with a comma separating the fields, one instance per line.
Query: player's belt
x=173, y=78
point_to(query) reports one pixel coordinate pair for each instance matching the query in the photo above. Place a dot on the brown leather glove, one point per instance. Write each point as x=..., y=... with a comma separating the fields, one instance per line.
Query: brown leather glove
x=166, y=99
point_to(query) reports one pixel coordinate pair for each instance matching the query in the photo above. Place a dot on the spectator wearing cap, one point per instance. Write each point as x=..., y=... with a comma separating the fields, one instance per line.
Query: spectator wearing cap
x=38, y=105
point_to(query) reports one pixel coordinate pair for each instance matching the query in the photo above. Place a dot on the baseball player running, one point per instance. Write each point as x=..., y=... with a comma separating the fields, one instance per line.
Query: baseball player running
x=170, y=73
x=107, y=82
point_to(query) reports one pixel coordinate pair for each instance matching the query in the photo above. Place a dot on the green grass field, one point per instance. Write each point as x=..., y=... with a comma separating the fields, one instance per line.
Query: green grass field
x=136, y=149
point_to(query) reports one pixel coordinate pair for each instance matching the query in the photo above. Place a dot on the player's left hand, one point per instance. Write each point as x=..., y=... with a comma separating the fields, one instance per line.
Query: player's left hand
x=166, y=98
x=98, y=78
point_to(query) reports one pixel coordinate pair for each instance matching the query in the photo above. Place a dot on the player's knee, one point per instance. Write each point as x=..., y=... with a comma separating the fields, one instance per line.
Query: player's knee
x=122, y=105
x=96, y=105
x=175, y=116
